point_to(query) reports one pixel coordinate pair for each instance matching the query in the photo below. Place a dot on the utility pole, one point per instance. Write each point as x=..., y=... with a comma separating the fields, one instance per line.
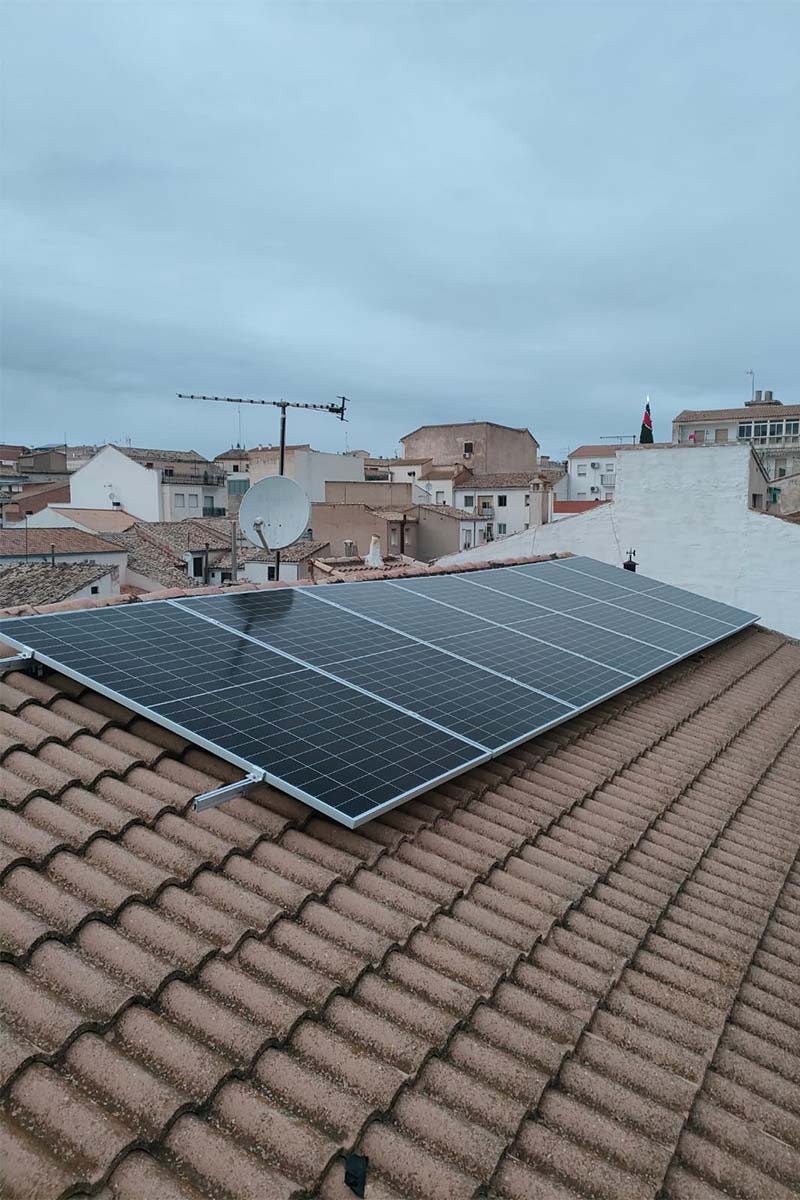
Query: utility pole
x=337, y=410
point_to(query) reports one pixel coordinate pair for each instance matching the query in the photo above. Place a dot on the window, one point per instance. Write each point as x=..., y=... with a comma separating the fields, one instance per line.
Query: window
x=581, y=468
x=720, y=435
x=502, y=501
x=235, y=466
x=116, y=504
x=759, y=431
x=225, y=576
x=501, y=527
x=609, y=495
x=412, y=474
x=781, y=472
x=581, y=495
x=270, y=574
x=167, y=470
x=469, y=502
x=609, y=468
x=440, y=497
x=468, y=447
x=775, y=428
x=698, y=436
x=237, y=487
x=792, y=431
x=758, y=500
x=197, y=565
x=193, y=500
x=467, y=539
x=180, y=500
x=95, y=590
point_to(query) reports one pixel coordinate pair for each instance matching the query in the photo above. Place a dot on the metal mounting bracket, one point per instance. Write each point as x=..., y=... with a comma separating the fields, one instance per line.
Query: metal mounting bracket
x=227, y=792
x=15, y=662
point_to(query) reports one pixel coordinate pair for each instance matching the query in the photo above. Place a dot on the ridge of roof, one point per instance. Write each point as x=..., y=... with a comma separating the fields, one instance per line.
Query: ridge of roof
x=571, y=972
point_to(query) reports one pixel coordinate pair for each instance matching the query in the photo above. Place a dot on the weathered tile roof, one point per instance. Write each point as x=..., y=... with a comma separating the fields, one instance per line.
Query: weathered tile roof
x=774, y=411
x=145, y=455
x=574, y=973
x=66, y=541
x=499, y=479
x=151, y=557
x=576, y=506
x=42, y=583
x=101, y=520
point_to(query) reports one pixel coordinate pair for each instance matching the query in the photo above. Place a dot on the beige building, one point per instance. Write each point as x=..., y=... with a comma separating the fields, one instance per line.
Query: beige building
x=349, y=528
x=771, y=427
x=483, y=446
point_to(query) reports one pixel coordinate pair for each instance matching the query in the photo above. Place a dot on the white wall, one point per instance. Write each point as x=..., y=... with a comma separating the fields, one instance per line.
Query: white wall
x=108, y=585
x=684, y=512
x=516, y=514
x=310, y=468
x=111, y=473
x=437, y=491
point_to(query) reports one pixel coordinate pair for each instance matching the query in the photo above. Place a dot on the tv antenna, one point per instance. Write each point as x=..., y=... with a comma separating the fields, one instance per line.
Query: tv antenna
x=337, y=410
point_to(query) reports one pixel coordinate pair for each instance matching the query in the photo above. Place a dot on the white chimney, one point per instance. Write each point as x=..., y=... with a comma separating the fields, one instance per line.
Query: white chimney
x=374, y=558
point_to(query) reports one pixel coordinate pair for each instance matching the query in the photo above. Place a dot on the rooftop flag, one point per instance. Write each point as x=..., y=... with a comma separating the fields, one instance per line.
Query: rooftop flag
x=646, y=436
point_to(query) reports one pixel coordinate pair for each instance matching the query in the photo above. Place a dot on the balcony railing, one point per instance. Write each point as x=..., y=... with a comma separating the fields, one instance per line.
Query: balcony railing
x=486, y=511
x=607, y=480
x=213, y=512
x=209, y=478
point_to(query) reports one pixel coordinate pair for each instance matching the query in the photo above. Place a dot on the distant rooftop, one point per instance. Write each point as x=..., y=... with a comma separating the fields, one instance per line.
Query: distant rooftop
x=38, y=583
x=16, y=542
x=99, y=520
x=775, y=412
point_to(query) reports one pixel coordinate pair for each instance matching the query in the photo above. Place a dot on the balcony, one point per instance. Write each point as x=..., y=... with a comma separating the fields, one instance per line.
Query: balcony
x=607, y=481
x=214, y=512
x=484, y=513
x=209, y=478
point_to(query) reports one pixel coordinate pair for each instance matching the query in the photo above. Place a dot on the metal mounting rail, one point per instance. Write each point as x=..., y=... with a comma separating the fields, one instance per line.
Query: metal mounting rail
x=221, y=794
x=15, y=661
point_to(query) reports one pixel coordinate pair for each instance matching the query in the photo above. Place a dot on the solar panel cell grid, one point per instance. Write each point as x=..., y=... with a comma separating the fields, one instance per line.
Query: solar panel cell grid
x=354, y=715
x=320, y=737
x=559, y=674
x=461, y=697
x=297, y=625
x=401, y=609
x=622, y=653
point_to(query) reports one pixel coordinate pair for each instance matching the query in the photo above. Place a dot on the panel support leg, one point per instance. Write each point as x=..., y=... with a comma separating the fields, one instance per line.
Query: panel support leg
x=221, y=794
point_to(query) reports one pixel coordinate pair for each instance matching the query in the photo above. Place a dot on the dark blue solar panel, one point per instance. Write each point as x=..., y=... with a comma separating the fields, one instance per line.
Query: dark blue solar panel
x=292, y=622
x=334, y=746
x=461, y=697
x=622, y=653
x=148, y=652
x=565, y=676
x=355, y=697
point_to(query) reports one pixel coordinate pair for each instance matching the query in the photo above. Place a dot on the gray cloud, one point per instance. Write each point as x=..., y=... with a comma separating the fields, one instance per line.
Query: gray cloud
x=536, y=213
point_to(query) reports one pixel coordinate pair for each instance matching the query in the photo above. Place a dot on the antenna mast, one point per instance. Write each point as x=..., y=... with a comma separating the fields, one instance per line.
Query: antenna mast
x=338, y=410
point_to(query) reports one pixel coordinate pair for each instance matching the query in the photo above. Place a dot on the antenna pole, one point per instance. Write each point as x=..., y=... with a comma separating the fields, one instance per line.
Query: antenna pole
x=281, y=465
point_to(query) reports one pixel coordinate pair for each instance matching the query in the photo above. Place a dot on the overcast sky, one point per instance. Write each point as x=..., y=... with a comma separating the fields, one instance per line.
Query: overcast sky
x=532, y=213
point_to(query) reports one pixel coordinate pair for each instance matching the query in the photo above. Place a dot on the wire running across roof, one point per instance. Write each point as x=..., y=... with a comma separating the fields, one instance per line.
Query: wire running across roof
x=357, y=697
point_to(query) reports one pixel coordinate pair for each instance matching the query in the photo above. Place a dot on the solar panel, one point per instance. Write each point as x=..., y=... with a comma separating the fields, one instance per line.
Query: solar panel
x=356, y=697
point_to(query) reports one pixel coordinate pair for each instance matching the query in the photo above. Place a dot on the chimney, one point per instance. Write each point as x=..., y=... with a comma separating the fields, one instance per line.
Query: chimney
x=758, y=396
x=374, y=558
x=350, y=549
x=768, y=398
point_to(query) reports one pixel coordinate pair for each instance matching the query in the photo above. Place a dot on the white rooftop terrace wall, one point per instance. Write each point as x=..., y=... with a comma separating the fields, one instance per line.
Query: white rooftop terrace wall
x=685, y=513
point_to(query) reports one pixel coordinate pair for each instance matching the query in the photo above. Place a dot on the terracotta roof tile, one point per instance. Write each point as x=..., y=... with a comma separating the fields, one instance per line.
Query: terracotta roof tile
x=596, y=938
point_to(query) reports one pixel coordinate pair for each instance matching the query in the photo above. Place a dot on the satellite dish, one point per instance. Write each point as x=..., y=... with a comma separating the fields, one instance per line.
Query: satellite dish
x=274, y=512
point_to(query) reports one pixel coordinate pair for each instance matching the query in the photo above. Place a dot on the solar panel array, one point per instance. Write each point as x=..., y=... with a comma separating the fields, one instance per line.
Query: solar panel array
x=356, y=697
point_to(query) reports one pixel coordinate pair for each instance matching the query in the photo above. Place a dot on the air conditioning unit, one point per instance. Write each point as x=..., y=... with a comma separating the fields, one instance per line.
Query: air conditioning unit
x=595, y=466
x=594, y=489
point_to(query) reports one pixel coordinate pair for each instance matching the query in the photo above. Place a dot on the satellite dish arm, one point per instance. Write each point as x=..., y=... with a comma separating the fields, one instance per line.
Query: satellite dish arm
x=258, y=526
